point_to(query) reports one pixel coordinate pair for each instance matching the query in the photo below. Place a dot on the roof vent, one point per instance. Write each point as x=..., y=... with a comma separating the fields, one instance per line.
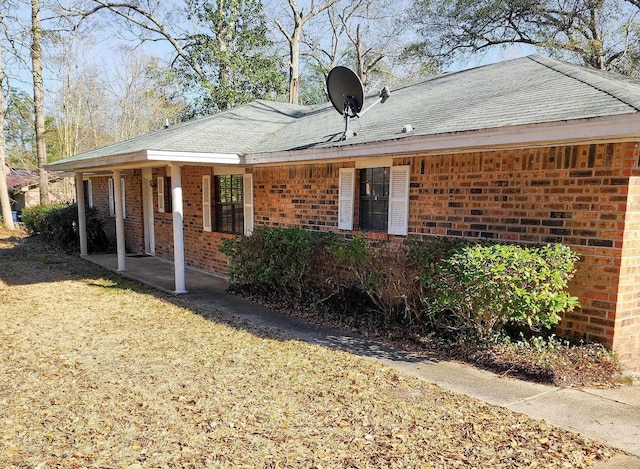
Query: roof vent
x=407, y=128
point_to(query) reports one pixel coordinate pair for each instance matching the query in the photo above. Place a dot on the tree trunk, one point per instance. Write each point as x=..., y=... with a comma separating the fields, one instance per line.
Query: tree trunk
x=38, y=99
x=294, y=43
x=294, y=64
x=5, y=203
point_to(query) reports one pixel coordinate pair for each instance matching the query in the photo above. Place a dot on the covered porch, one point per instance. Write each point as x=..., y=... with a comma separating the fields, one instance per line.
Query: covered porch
x=159, y=274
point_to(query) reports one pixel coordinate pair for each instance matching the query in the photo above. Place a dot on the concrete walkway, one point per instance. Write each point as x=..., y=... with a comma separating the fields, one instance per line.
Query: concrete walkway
x=611, y=416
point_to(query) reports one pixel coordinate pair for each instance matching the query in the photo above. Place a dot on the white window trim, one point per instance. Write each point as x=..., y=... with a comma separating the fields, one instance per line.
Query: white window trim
x=90, y=193
x=399, y=183
x=206, y=203
x=346, y=193
x=384, y=162
x=247, y=198
x=160, y=186
x=112, y=205
x=124, y=199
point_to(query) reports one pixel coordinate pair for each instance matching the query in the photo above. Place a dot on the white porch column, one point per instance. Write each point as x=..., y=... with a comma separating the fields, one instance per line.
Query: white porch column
x=117, y=202
x=82, y=215
x=178, y=230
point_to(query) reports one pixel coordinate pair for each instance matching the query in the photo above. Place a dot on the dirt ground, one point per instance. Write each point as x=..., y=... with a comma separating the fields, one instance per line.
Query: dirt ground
x=96, y=371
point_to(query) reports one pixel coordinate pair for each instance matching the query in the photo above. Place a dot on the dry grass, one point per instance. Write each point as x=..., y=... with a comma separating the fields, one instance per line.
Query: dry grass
x=99, y=372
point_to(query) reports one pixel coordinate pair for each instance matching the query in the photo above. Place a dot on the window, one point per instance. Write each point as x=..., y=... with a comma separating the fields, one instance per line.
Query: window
x=87, y=187
x=374, y=199
x=229, y=203
x=383, y=194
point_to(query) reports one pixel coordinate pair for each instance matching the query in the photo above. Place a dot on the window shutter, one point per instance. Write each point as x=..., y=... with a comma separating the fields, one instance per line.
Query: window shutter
x=124, y=205
x=89, y=192
x=112, y=205
x=247, y=186
x=399, y=199
x=160, y=187
x=346, y=185
x=206, y=203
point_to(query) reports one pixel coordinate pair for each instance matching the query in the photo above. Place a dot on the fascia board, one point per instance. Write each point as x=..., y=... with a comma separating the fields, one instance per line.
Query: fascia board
x=122, y=160
x=594, y=130
x=146, y=158
x=193, y=157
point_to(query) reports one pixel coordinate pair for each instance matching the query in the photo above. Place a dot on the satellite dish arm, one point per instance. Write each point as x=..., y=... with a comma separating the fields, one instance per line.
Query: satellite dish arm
x=382, y=97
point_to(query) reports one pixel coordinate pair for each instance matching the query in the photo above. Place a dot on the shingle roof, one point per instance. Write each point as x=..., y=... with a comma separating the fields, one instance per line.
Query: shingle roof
x=234, y=131
x=528, y=90
x=19, y=178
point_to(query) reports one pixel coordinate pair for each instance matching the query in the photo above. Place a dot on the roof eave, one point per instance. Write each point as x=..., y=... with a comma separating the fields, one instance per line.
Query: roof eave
x=624, y=127
x=146, y=158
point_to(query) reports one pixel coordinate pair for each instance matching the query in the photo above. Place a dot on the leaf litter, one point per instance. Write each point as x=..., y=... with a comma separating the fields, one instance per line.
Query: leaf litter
x=99, y=372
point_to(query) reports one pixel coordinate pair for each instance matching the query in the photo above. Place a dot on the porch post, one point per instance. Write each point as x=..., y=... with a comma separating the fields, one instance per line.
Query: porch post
x=117, y=202
x=82, y=215
x=178, y=231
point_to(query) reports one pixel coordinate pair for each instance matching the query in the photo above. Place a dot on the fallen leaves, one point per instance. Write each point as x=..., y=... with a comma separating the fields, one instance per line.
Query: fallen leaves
x=97, y=372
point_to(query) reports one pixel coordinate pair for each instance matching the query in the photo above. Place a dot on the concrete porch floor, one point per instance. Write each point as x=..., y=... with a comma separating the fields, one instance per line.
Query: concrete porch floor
x=158, y=273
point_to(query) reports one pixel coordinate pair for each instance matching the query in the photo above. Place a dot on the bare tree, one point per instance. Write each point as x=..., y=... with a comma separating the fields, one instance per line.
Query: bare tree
x=137, y=101
x=5, y=203
x=38, y=99
x=598, y=33
x=294, y=39
x=78, y=103
x=146, y=15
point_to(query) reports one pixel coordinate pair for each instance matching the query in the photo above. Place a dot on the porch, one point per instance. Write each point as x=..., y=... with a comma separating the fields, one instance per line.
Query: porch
x=160, y=274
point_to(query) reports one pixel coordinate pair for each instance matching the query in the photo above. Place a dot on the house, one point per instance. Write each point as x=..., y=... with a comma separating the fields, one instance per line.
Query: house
x=530, y=150
x=24, y=188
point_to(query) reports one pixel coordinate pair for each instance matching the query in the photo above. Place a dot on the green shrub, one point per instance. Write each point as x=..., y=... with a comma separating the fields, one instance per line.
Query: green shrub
x=440, y=284
x=35, y=218
x=277, y=259
x=481, y=288
x=59, y=224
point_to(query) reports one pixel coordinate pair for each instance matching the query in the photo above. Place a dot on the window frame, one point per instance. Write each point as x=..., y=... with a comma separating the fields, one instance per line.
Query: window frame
x=372, y=196
x=398, y=206
x=237, y=207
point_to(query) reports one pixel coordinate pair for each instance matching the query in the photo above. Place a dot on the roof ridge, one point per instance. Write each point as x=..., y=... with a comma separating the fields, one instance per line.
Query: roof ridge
x=561, y=67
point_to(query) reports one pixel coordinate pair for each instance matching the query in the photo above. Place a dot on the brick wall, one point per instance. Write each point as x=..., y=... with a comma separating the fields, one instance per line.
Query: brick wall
x=134, y=223
x=304, y=195
x=576, y=195
x=202, y=248
x=163, y=222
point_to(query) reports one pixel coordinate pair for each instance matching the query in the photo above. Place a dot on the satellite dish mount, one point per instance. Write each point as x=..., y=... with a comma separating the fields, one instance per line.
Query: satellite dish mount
x=347, y=96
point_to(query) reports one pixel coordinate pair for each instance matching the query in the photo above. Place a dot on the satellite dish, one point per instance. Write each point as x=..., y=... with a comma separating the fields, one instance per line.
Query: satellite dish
x=345, y=91
x=347, y=95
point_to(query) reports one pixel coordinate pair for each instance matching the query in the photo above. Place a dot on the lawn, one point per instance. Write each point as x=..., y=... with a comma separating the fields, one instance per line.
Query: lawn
x=96, y=371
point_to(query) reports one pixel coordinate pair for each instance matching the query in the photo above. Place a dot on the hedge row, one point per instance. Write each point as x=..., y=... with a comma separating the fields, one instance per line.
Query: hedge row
x=59, y=224
x=474, y=289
